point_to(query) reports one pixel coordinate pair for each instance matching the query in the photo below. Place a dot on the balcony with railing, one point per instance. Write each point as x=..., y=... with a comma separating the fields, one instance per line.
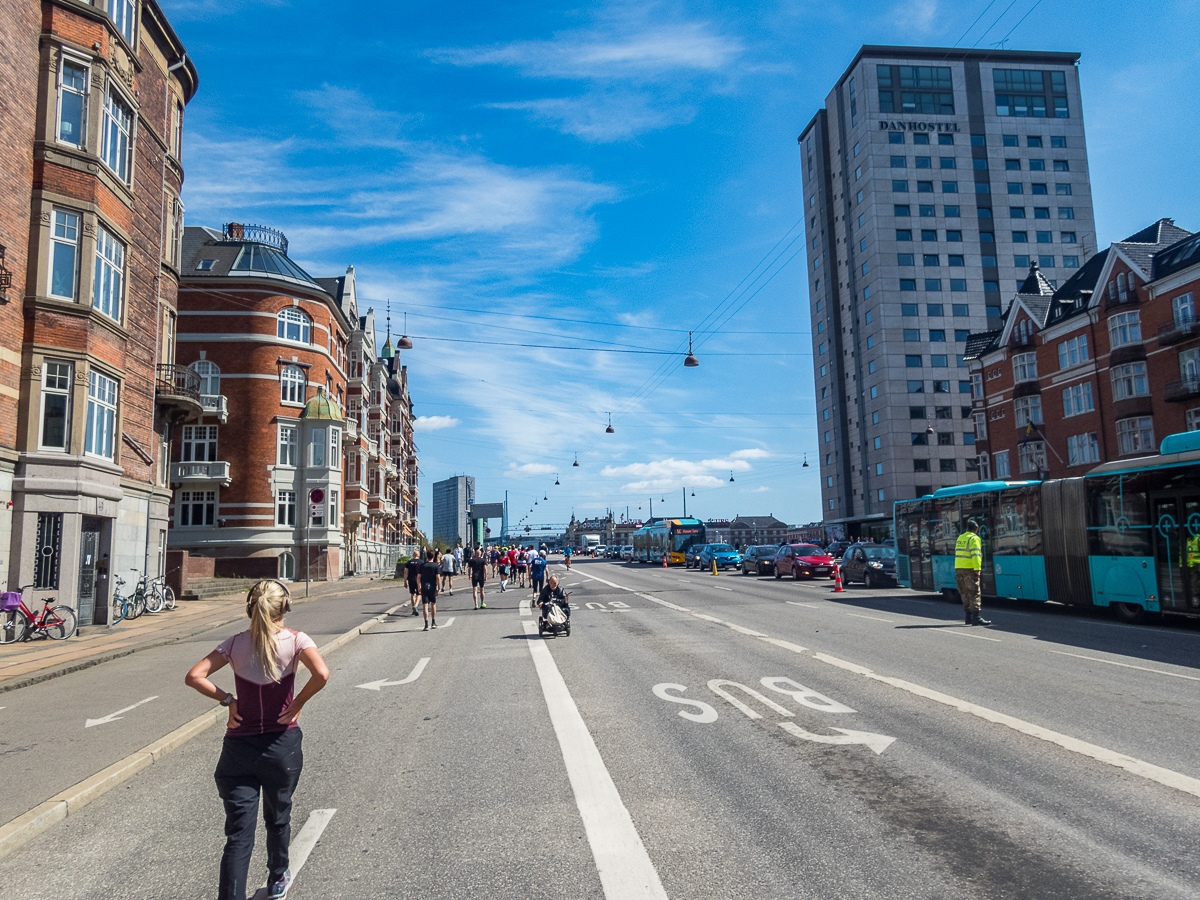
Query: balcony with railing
x=349, y=432
x=215, y=405
x=1183, y=389
x=200, y=473
x=372, y=448
x=1182, y=327
x=177, y=388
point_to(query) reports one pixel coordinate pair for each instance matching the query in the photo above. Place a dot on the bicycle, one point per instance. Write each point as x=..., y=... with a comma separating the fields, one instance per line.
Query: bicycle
x=120, y=606
x=159, y=594
x=18, y=622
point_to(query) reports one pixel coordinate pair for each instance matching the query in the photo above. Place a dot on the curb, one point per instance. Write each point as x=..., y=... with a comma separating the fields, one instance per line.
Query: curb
x=46, y=675
x=23, y=828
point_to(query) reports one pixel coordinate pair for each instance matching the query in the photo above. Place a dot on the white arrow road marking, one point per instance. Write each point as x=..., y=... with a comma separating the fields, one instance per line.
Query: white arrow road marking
x=447, y=623
x=877, y=742
x=112, y=717
x=412, y=676
x=624, y=866
x=302, y=844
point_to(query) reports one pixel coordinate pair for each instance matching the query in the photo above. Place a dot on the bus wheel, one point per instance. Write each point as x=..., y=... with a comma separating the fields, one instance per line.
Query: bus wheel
x=1130, y=613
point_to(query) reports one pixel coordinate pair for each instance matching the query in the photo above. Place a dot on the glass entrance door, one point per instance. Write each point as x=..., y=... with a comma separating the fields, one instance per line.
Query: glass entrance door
x=89, y=552
x=1170, y=548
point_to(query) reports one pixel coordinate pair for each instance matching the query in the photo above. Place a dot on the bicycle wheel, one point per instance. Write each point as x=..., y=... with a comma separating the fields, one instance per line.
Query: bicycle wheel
x=154, y=601
x=13, y=626
x=120, y=609
x=65, y=626
x=168, y=597
x=135, y=605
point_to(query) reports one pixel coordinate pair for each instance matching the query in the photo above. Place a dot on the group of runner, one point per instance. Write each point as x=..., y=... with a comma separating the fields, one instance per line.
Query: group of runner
x=435, y=574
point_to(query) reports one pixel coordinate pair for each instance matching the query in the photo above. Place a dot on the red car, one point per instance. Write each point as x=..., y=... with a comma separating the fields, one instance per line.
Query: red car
x=803, y=560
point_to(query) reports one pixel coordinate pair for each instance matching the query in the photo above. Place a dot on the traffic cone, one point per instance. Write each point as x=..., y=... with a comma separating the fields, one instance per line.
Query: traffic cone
x=837, y=579
x=664, y=560
x=714, y=571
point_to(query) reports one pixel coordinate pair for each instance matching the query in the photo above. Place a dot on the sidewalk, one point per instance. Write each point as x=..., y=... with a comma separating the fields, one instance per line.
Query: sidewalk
x=41, y=658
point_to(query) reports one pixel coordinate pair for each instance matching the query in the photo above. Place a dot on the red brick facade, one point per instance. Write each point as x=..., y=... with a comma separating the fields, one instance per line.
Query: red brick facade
x=1101, y=368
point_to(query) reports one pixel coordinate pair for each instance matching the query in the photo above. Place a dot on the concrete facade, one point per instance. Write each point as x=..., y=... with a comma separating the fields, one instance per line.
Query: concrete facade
x=452, y=499
x=932, y=178
x=90, y=218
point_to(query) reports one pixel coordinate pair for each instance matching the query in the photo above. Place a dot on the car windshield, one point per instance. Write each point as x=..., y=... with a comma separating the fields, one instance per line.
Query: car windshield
x=809, y=550
x=720, y=548
x=766, y=551
x=880, y=552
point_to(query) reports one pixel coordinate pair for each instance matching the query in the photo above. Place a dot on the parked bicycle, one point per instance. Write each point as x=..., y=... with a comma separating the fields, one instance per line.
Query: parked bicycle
x=159, y=594
x=18, y=622
x=127, y=607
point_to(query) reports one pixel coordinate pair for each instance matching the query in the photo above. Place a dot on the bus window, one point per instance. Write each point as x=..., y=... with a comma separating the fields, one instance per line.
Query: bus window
x=1120, y=524
x=1018, y=530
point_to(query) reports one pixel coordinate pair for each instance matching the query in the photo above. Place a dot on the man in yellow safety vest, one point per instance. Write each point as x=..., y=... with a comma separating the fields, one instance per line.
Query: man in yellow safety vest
x=968, y=562
x=1192, y=568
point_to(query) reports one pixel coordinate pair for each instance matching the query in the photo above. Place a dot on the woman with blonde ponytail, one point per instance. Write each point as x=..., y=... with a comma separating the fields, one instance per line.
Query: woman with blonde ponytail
x=262, y=750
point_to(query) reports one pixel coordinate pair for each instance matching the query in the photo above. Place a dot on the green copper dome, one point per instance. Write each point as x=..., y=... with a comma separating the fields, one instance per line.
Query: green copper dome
x=322, y=406
x=388, y=350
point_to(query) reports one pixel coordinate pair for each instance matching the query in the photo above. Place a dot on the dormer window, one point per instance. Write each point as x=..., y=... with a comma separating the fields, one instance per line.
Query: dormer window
x=205, y=265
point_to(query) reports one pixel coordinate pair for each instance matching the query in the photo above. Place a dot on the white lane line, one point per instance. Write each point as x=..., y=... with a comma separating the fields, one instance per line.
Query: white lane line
x=1109, y=662
x=303, y=843
x=719, y=588
x=805, y=605
x=624, y=866
x=978, y=637
x=1141, y=768
x=650, y=597
x=524, y=609
x=447, y=623
x=872, y=618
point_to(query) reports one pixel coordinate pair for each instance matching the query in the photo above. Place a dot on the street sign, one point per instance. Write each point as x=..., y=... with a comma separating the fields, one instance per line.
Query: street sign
x=314, y=511
x=316, y=495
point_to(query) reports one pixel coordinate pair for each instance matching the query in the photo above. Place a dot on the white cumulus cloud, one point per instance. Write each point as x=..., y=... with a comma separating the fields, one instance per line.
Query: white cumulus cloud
x=434, y=423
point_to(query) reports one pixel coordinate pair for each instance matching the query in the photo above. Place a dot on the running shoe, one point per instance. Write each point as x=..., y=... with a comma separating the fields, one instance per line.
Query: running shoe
x=483, y=606
x=279, y=890
x=426, y=628
x=415, y=613
x=435, y=623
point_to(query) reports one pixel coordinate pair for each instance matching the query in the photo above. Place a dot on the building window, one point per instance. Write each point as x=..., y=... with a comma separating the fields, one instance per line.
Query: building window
x=285, y=508
x=980, y=426
x=124, y=16
x=1073, y=352
x=317, y=448
x=900, y=185
x=116, y=147
x=1193, y=419
x=1083, y=448
x=334, y=507
x=197, y=508
x=1184, y=309
x=72, y=102
x=110, y=274
x=1135, y=435
x=288, y=444
x=1124, y=328
x=1077, y=399
x=1002, y=467
x=293, y=325
x=1129, y=381
x=47, y=551
x=335, y=447
x=1028, y=411
x=1189, y=366
x=210, y=377
x=56, y=405
x=1025, y=367
x=199, y=443
x=64, y=254
x=291, y=381
x=1032, y=457
x=101, y=416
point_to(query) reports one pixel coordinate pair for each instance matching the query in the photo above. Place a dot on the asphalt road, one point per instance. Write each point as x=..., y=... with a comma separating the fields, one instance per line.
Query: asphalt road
x=862, y=744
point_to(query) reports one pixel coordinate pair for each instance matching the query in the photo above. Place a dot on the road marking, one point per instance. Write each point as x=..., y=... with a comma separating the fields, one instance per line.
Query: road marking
x=805, y=696
x=978, y=637
x=302, y=844
x=707, y=713
x=717, y=587
x=574, y=584
x=447, y=623
x=624, y=866
x=872, y=618
x=1111, y=663
x=383, y=682
x=877, y=742
x=717, y=686
x=524, y=609
x=112, y=717
x=805, y=605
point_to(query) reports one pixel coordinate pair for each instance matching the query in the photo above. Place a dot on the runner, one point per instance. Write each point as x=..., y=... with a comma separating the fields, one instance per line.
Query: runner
x=567, y=556
x=502, y=565
x=447, y=569
x=458, y=558
x=262, y=748
x=494, y=558
x=522, y=566
x=412, y=572
x=478, y=567
x=429, y=589
x=537, y=572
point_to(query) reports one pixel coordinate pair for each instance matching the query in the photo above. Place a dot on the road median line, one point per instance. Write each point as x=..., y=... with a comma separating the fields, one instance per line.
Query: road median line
x=28, y=825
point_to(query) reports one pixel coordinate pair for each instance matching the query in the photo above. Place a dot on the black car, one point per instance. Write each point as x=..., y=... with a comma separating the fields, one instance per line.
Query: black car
x=692, y=554
x=760, y=559
x=872, y=564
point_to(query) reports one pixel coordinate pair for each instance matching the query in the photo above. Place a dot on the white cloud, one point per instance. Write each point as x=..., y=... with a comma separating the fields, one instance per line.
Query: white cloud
x=604, y=116
x=530, y=469
x=434, y=423
x=671, y=473
x=757, y=490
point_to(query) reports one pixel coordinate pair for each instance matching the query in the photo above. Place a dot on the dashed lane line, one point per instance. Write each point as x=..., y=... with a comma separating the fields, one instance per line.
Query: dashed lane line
x=1112, y=663
x=805, y=605
x=1151, y=772
x=624, y=866
x=302, y=845
x=957, y=629
x=872, y=618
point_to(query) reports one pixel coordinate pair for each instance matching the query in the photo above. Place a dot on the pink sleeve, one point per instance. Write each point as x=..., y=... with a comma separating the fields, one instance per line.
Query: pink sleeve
x=225, y=648
x=303, y=642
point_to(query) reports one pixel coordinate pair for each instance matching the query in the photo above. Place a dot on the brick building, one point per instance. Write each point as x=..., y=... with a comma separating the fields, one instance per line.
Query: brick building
x=91, y=140
x=279, y=356
x=747, y=530
x=1102, y=367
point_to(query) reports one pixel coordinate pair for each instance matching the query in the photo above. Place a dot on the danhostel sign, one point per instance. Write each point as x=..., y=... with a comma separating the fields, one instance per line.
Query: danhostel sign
x=887, y=125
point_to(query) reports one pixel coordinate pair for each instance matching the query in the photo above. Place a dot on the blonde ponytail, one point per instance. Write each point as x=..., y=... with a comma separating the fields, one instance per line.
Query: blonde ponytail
x=266, y=604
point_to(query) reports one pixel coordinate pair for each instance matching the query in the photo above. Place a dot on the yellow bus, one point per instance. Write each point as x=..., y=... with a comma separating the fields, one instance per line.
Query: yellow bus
x=671, y=537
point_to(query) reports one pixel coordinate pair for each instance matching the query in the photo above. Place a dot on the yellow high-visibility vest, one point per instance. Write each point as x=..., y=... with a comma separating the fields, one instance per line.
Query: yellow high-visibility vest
x=968, y=551
x=1193, y=551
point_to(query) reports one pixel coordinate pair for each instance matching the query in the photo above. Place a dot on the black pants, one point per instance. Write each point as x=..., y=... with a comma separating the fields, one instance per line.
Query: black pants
x=538, y=584
x=250, y=764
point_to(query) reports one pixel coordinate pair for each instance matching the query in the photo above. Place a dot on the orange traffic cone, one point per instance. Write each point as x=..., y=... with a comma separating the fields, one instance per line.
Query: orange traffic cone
x=837, y=579
x=664, y=560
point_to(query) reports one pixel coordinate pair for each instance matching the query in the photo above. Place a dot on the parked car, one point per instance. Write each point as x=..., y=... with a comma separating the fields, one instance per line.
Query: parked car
x=871, y=564
x=722, y=554
x=627, y=552
x=759, y=559
x=803, y=561
x=691, y=555
x=837, y=549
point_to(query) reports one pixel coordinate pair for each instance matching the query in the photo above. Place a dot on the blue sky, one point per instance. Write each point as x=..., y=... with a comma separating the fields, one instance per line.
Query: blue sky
x=607, y=177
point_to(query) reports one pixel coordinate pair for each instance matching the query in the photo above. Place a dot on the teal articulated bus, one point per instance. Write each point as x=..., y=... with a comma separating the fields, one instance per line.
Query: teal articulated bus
x=1126, y=535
